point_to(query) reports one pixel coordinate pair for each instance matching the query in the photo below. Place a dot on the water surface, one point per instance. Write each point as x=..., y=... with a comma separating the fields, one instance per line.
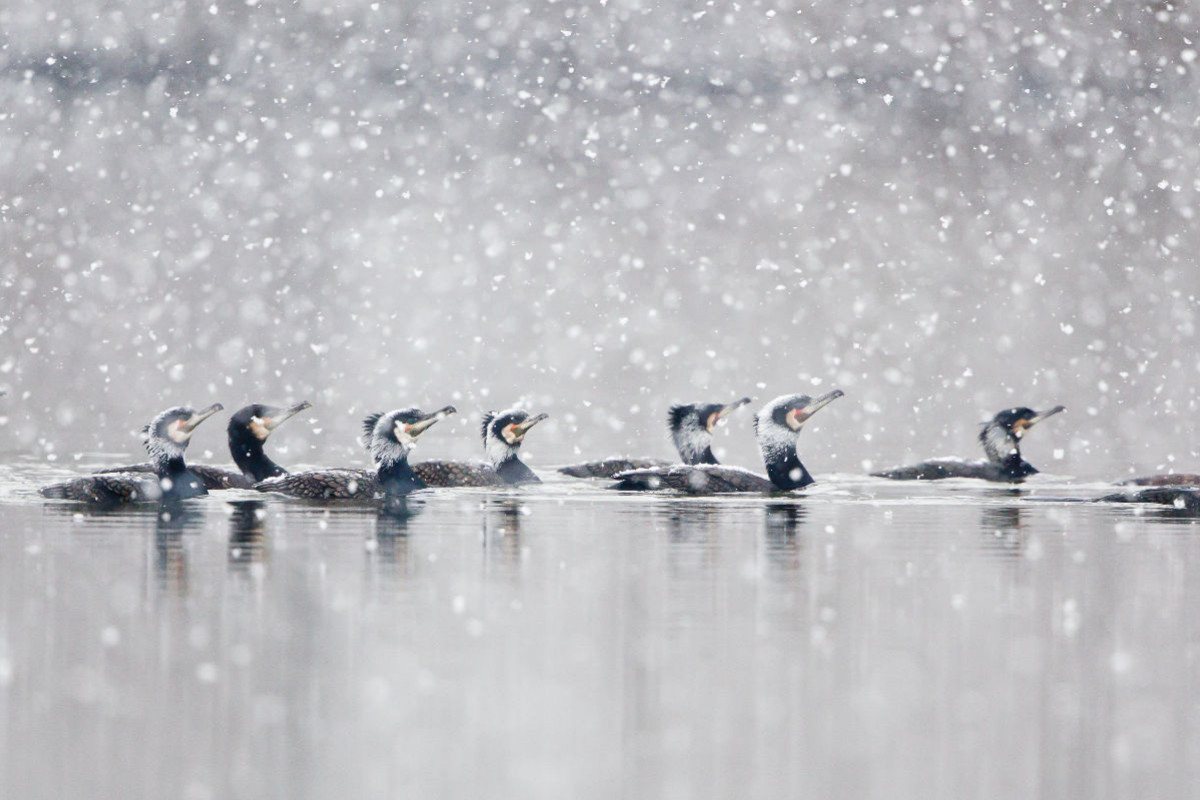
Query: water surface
x=868, y=639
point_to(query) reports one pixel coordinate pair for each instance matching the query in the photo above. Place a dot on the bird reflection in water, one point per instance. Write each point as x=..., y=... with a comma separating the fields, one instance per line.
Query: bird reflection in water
x=691, y=522
x=694, y=532
x=391, y=547
x=170, y=556
x=502, y=519
x=782, y=521
x=1004, y=527
x=247, y=533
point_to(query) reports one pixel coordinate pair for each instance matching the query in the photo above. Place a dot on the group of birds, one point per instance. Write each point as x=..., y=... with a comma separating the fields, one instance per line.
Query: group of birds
x=390, y=437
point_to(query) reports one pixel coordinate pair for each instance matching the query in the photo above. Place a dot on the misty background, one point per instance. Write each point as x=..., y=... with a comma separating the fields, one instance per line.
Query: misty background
x=597, y=209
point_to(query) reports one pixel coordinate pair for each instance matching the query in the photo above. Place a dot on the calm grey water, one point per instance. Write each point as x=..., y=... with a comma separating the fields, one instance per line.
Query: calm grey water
x=869, y=639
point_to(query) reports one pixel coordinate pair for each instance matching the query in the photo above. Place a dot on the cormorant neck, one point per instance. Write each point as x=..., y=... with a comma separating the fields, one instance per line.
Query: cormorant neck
x=783, y=463
x=514, y=470
x=178, y=482
x=786, y=471
x=694, y=445
x=1016, y=467
x=1000, y=446
x=167, y=465
x=247, y=452
x=397, y=478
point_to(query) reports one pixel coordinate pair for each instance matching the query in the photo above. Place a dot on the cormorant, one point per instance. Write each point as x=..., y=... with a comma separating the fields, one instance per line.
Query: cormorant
x=1001, y=440
x=502, y=433
x=248, y=430
x=691, y=427
x=167, y=438
x=389, y=438
x=777, y=427
x=1181, y=497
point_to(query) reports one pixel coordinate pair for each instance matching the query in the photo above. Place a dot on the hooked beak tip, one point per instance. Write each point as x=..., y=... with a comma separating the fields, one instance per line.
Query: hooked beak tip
x=523, y=427
x=200, y=416
x=1045, y=414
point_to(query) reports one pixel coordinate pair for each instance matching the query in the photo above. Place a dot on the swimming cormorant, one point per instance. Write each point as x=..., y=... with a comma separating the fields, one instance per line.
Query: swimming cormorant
x=691, y=427
x=167, y=438
x=248, y=430
x=1181, y=497
x=389, y=438
x=777, y=427
x=503, y=433
x=1001, y=440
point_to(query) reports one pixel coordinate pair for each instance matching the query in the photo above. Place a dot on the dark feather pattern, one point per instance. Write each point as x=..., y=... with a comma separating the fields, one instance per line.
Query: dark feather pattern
x=457, y=473
x=218, y=478
x=699, y=479
x=211, y=477
x=145, y=466
x=675, y=415
x=1180, y=498
x=487, y=423
x=940, y=469
x=110, y=489
x=326, y=484
x=368, y=424
x=608, y=468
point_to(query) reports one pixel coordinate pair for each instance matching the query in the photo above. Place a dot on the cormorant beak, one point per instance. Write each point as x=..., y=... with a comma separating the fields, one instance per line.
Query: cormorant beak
x=722, y=412
x=189, y=425
x=1036, y=418
x=521, y=428
x=275, y=420
x=804, y=414
x=419, y=427
x=732, y=407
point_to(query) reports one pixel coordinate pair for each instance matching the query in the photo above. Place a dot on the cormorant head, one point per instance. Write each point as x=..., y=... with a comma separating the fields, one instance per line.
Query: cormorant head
x=1001, y=437
x=503, y=432
x=168, y=434
x=692, y=426
x=260, y=420
x=390, y=436
x=781, y=420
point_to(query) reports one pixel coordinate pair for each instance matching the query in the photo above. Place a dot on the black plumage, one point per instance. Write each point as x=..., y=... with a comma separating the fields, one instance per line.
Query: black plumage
x=777, y=427
x=609, y=467
x=170, y=478
x=248, y=430
x=502, y=432
x=1001, y=441
x=389, y=438
x=1179, y=497
x=691, y=426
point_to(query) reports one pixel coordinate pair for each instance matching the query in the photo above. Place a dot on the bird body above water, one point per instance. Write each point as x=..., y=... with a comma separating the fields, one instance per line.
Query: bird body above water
x=248, y=430
x=1001, y=441
x=691, y=426
x=171, y=479
x=389, y=439
x=502, y=433
x=777, y=427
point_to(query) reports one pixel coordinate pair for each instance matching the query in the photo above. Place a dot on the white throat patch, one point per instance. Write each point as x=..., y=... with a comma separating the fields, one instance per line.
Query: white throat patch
x=498, y=451
x=998, y=444
x=774, y=440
